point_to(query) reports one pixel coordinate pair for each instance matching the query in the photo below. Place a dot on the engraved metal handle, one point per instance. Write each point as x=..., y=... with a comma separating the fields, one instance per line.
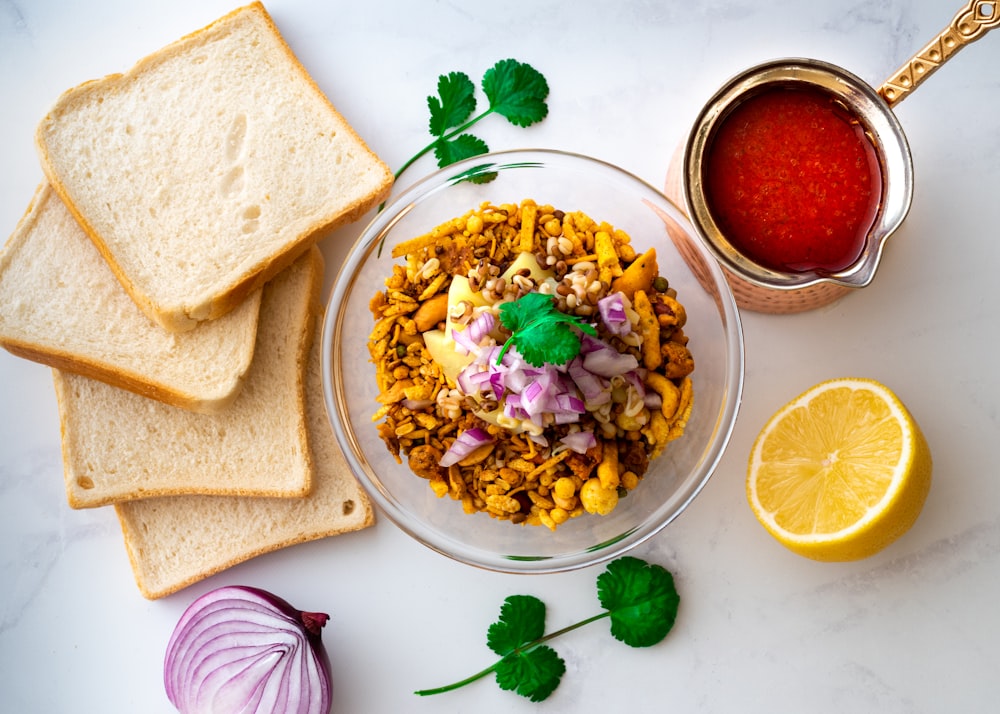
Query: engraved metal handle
x=972, y=22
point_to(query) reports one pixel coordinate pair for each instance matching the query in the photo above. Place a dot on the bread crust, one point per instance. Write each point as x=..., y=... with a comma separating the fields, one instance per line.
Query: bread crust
x=23, y=337
x=235, y=283
x=113, y=425
x=169, y=540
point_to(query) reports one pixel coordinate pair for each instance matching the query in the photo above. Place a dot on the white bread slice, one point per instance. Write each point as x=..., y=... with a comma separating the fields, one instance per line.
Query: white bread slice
x=119, y=446
x=207, y=168
x=61, y=305
x=176, y=541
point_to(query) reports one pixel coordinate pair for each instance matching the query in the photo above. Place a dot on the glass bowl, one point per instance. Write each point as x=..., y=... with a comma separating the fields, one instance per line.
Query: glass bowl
x=568, y=182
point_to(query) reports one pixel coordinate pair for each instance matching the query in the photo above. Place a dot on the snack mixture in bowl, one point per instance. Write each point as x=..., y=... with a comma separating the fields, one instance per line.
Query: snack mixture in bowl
x=529, y=362
x=533, y=373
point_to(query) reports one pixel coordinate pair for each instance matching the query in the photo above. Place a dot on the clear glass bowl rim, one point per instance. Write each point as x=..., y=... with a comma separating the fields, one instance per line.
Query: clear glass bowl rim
x=380, y=225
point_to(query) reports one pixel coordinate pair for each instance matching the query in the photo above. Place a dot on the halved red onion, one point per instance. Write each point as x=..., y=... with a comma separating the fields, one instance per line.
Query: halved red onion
x=244, y=650
x=466, y=442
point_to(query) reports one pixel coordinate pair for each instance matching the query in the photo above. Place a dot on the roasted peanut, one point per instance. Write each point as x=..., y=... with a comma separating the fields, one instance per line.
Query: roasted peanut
x=670, y=394
x=431, y=312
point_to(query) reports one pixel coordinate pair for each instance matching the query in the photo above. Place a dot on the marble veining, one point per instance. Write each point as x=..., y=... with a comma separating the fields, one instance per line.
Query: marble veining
x=13, y=18
x=913, y=630
x=35, y=484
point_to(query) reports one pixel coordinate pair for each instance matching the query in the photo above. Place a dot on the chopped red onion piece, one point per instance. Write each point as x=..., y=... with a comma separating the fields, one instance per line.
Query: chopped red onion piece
x=580, y=441
x=569, y=403
x=464, y=342
x=466, y=442
x=635, y=380
x=480, y=326
x=595, y=392
x=611, y=308
x=606, y=361
x=512, y=407
x=242, y=649
x=566, y=417
x=472, y=381
x=551, y=393
x=534, y=397
x=496, y=382
x=539, y=439
x=488, y=355
x=515, y=380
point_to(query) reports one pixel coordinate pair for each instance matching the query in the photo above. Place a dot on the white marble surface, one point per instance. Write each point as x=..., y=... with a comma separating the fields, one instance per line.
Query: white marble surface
x=913, y=629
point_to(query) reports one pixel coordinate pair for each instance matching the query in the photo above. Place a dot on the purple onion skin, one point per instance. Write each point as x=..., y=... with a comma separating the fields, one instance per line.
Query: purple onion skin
x=237, y=645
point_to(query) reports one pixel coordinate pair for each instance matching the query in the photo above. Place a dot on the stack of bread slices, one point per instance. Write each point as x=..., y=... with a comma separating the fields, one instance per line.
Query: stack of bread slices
x=167, y=269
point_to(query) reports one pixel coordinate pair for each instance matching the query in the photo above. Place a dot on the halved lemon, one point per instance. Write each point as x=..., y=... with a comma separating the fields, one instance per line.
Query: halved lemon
x=840, y=472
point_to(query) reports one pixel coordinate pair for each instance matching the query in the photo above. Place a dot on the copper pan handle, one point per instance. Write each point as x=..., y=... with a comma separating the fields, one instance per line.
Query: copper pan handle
x=972, y=22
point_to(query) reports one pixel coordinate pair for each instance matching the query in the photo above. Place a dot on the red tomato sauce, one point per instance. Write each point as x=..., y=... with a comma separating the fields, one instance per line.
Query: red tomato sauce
x=792, y=180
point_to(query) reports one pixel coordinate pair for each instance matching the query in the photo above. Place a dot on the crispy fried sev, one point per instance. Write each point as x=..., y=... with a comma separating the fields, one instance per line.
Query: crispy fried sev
x=649, y=330
x=607, y=257
x=607, y=470
x=525, y=475
x=526, y=234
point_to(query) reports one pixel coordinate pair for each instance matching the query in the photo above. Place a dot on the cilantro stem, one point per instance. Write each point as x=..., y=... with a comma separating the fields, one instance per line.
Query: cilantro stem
x=515, y=90
x=447, y=136
x=457, y=685
x=568, y=628
x=639, y=598
x=527, y=647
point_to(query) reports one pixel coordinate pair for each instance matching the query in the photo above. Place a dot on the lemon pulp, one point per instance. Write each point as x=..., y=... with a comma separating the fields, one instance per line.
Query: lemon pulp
x=839, y=472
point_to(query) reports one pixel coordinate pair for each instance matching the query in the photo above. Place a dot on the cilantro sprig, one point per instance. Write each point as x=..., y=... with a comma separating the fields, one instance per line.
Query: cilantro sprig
x=638, y=597
x=540, y=331
x=514, y=90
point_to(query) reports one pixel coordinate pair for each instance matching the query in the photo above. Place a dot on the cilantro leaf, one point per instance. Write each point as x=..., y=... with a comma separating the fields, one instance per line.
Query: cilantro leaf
x=461, y=147
x=532, y=670
x=534, y=674
x=540, y=343
x=540, y=331
x=522, y=619
x=641, y=600
x=454, y=104
x=516, y=91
